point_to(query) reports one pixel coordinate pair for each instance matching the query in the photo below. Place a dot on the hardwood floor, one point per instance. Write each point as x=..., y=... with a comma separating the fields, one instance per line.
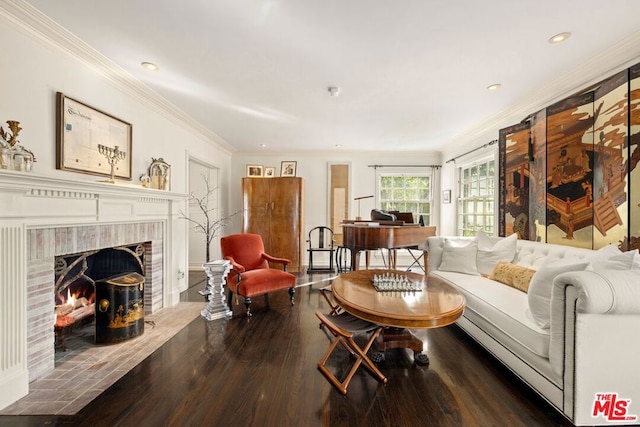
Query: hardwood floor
x=262, y=372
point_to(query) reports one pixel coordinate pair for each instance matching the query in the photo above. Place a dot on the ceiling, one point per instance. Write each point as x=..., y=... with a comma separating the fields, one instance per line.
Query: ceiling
x=413, y=75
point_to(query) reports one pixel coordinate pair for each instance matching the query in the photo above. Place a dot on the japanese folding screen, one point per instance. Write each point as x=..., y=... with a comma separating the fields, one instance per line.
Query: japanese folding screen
x=568, y=173
x=634, y=157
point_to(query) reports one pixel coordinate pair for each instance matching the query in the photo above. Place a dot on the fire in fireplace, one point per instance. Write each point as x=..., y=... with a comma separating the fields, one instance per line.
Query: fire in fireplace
x=75, y=288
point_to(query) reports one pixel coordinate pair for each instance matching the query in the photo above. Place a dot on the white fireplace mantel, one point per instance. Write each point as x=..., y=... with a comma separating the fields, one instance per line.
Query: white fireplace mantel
x=30, y=203
x=22, y=193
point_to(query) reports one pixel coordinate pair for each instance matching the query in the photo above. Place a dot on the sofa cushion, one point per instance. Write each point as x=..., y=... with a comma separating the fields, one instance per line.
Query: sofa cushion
x=502, y=306
x=539, y=295
x=535, y=254
x=629, y=260
x=607, y=251
x=490, y=253
x=513, y=275
x=459, y=257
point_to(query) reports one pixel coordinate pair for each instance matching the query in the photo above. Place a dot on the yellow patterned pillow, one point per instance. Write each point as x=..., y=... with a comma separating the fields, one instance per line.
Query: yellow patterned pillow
x=513, y=275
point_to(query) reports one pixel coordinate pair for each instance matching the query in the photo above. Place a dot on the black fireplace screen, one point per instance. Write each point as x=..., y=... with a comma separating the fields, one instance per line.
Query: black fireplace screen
x=118, y=275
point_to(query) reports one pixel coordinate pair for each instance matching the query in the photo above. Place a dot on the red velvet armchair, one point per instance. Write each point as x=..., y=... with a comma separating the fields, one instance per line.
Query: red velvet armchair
x=250, y=274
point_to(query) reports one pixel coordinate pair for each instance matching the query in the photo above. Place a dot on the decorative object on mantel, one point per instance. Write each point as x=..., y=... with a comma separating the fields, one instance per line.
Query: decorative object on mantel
x=216, y=272
x=11, y=138
x=210, y=224
x=12, y=155
x=159, y=172
x=145, y=180
x=81, y=130
x=113, y=155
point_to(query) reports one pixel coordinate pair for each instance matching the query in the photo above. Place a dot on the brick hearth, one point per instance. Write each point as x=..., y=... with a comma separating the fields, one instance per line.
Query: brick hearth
x=43, y=245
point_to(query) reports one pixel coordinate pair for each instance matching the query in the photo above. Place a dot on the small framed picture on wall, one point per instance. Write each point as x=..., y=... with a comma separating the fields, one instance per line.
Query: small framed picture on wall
x=446, y=196
x=254, y=170
x=288, y=168
x=270, y=172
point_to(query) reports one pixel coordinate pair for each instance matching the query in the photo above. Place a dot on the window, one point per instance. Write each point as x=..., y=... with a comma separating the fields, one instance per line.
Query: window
x=407, y=193
x=476, y=202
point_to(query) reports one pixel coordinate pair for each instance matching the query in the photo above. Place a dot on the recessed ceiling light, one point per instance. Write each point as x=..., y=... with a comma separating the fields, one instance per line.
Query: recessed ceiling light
x=150, y=66
x=338, y=145
x=494, y=86
x=263, y=145
x=559, y=38
x=334, y=90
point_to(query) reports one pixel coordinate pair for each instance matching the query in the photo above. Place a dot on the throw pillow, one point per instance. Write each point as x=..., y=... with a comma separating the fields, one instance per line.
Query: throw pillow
x=459, y=258
x=629, y=260
x=539, y=295
x=516, y=276
x=607, y=251
x=490, y=254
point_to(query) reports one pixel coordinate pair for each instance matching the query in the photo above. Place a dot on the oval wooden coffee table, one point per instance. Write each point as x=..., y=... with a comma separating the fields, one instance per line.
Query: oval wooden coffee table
x=437, y=304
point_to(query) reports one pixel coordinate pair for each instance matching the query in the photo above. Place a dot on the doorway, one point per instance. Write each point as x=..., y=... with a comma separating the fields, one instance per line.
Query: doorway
x=203, y=178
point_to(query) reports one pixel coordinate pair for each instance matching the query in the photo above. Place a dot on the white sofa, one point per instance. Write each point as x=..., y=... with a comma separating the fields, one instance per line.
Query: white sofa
x=590, y=351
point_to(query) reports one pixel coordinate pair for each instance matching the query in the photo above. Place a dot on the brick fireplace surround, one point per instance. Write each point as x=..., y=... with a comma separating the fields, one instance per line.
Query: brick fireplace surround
x=43, y=217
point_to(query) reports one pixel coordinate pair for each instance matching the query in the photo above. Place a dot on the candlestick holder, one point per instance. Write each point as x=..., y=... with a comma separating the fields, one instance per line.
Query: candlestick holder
x=113, y=155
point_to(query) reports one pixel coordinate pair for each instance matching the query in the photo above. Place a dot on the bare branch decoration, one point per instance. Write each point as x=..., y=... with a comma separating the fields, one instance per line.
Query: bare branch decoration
x=211, y=224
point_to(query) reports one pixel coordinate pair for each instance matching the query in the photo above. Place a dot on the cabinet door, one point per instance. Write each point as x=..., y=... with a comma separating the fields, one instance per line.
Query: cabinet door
x=257, y=208
x=285, y=227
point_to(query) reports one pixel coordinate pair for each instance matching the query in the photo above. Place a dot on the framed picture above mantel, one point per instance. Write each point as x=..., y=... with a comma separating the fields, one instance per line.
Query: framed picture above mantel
x=91, y=141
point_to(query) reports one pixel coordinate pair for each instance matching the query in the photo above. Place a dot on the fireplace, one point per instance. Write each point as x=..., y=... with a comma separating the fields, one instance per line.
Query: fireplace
x=44, y=217
x=114, y=278
x=72, y=243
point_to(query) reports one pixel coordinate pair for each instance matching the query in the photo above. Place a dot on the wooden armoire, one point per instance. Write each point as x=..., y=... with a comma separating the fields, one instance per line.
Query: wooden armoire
x=273, y=208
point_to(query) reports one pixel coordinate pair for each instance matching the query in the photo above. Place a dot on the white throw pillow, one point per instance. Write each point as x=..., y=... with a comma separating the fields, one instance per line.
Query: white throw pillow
x=459, y=258
x=607, y=252
x=629, y=260
x=539, y=294
x=490, y=254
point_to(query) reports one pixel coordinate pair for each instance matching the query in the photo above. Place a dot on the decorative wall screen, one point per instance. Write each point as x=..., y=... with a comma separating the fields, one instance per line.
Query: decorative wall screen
x=568, y=172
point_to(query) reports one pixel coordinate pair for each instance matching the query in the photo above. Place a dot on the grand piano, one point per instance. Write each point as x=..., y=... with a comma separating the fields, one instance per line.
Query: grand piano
x=372, y=235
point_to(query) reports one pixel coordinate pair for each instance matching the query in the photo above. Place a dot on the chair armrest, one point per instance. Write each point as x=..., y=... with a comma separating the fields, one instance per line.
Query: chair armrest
x=270, y=258
x=234, y=265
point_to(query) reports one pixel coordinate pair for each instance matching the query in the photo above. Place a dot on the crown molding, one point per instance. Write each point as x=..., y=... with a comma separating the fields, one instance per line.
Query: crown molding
x=39, y=26
x=623, y=55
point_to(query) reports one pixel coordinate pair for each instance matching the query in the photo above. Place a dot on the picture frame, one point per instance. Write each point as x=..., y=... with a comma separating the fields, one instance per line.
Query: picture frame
x=83, y=133
x=446, y=196
x=254, y=170
x=269, y=172
x=288, y=168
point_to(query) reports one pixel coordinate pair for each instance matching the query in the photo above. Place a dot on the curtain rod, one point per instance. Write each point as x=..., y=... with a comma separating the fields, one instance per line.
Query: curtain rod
x=405, y=166
x=453, y=159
